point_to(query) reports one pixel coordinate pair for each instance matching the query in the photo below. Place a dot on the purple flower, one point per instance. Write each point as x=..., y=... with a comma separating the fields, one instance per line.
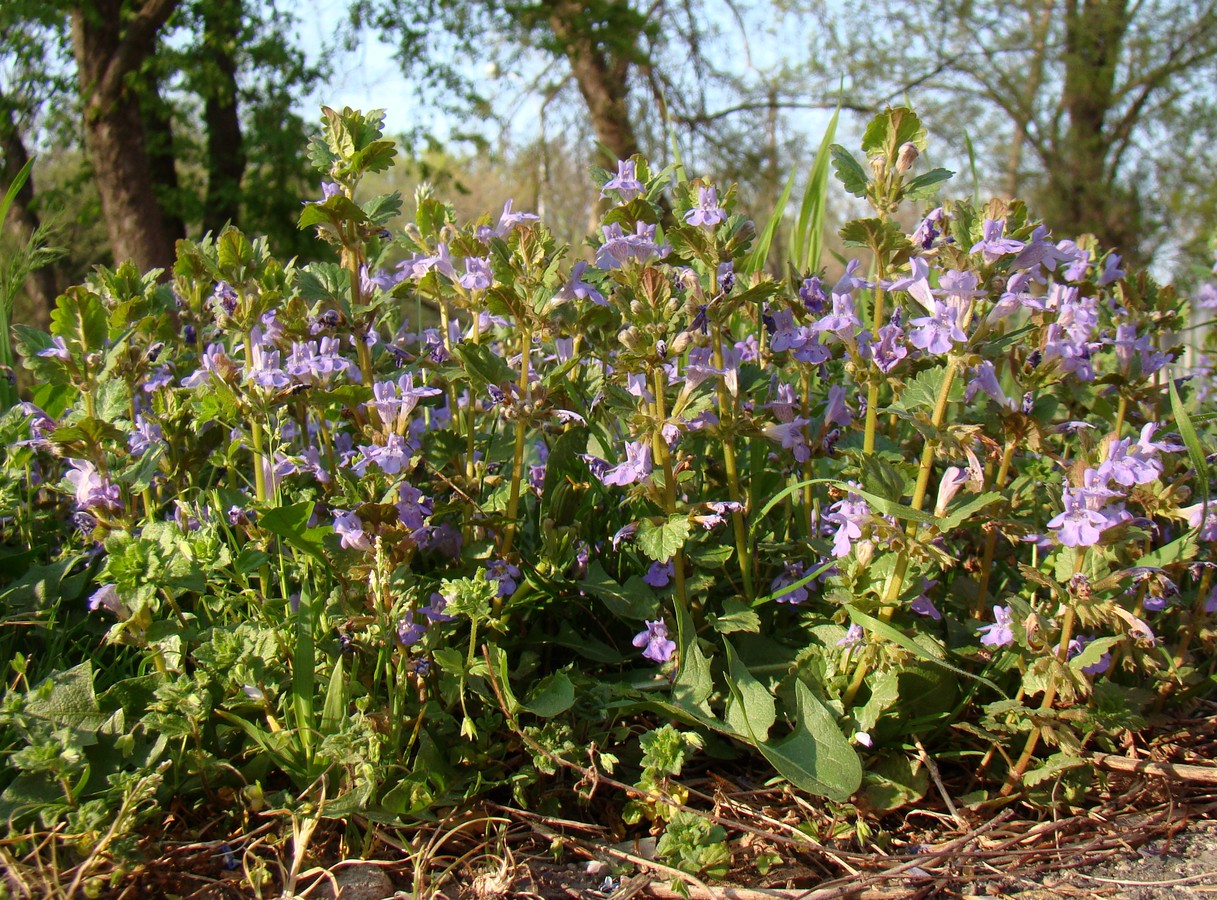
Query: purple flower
x=505, y=574
x=792, y=436
x=836, y=412
x=781, y=589
x=1111, y=271
x=1207, y=528
x=619, y=248
x=106, y=597
x=854, y=636
x=146, y=434
x=92, y=490
x=637, y=466
x=842, y=321
x=625, y=183
x=850, y=515
x=395, y=401
x=993, y=245
x=811, y=292
x=410, y=631
x=435, y=609
x=916, y=283
x=161, y=377
x=349, y=527
x=577, y=288
x=391, y=458
x=935, y=334
x=889, y=349
x=659, y=575
x=929, y=229
x=1000, y=633
x=655, y=639
x=57, y=350
x=985, y=379
x=1077, y=645
x=412, y=507
x=478, y=276
x=313, y=362
x=509, y=220
x=1079, y=525
x=707, y=213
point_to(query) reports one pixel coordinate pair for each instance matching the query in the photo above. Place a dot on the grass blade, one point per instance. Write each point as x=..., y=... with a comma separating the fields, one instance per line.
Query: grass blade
x=760, y=251
x=808, y=238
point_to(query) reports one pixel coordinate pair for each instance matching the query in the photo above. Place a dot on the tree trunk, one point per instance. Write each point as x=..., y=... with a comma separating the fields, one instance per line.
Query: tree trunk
x=162, y=163
x=109, y=47
x=42, y=285
x=602, y=79
x=1082, y=194
x=225, y=144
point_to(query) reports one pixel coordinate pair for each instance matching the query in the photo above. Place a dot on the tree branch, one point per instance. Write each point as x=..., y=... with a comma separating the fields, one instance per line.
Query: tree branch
x=135, y=47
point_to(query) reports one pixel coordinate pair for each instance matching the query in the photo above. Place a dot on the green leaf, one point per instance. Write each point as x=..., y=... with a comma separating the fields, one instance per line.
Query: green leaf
x=552, y=696
x=962, y=513
x=925, y=186
x=737, y=616
x=896, y=781
x=922, y=390
x=890, y=129
x=80, y=319
x=291, y=524
x=334, y=710
x=632, y=601
x=1093, y=652
x=816, y=757
x=888, y=632
x=304, y=661
x=1180, y=549
x=751, y=710
x=663, y=541
x=881, y=236
x=1195, y=450
x=849, y=171
x=483, y=365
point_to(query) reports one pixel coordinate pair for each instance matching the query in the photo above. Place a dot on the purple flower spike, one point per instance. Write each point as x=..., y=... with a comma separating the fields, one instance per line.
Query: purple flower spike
x=655, y=639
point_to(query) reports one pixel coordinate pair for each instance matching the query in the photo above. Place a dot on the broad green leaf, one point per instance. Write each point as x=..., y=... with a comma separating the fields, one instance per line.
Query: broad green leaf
x=962, y=513
x=663, y=541
x=881, y=236
x=80, y=319
x=751, y=710
x=896, y=781
x=634, y=600
x=291, y=524
x=483, y=365
x=304, y=675
x=892, y=128
x=922, y=390
x=1093, y=652
x=737, y=616
x=816, y=757
x=925, y=186
x=552, y=696
x=849, y=171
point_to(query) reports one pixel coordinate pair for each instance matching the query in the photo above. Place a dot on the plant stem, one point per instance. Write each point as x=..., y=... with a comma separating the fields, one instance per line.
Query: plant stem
x=872, y=389
x=1062, y=654
x=986, y=565
x=726, y=407
x=517, y=464
x=660, y=448
x=255, y=429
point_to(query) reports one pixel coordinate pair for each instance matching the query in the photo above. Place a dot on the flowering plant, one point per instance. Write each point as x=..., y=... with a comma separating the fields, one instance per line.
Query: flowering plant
x=463, y=489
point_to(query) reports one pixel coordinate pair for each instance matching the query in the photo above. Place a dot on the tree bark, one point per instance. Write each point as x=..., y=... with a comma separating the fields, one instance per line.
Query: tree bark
x=162, y=162
x=43, y=283
x=226, y=158
x=603, y=78
x=109, y=47
x=1082, y=195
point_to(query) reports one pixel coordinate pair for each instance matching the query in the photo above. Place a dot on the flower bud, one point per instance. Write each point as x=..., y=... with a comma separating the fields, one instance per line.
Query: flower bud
x=630, y=338
x=878, y=166
x=906, y=156
x=681, y=342
x=864, y=552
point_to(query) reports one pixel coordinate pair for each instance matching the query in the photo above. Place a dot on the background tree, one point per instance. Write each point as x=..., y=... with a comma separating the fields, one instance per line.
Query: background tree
x=1088, y=107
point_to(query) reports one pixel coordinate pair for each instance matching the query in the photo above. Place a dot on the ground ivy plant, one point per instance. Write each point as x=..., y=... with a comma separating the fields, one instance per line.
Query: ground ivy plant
x=370, y=532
